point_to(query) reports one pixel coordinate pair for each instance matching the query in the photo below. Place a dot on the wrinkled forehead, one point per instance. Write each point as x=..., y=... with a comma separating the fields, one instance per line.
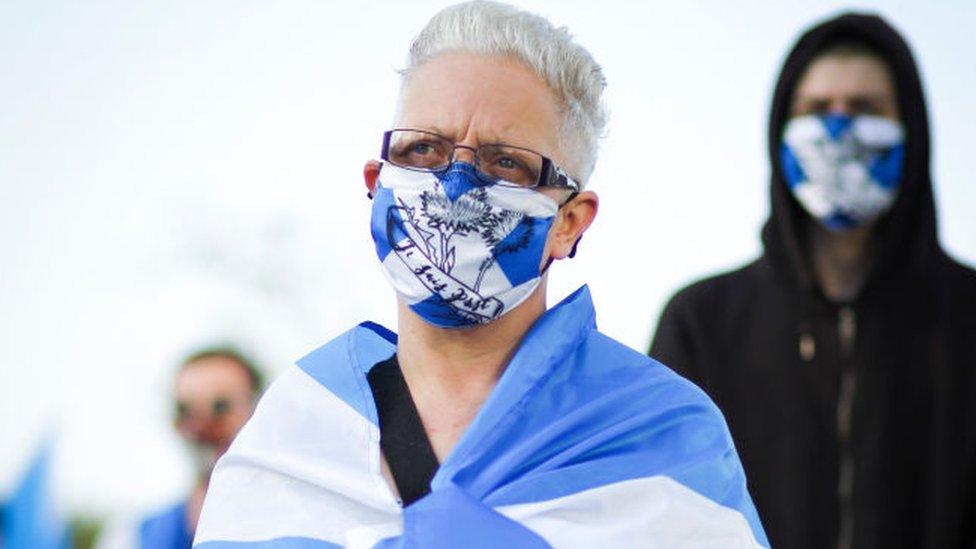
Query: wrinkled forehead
x=479, y=98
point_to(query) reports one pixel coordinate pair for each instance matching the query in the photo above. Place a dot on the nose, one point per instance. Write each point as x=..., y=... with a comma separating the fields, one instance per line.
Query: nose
x=463, y=153
x=192, y=427
x=200, y=428
x=840, y=106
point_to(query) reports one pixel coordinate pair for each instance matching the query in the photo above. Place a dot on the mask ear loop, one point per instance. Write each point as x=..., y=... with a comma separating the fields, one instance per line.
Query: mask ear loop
x=572, y=253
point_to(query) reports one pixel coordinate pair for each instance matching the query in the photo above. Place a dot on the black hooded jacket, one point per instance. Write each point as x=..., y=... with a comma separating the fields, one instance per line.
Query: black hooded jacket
x=855, y=422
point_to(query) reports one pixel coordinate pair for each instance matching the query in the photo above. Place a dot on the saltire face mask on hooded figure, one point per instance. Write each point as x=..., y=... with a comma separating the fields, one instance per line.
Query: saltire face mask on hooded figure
x=458, y=251
x=844, y=171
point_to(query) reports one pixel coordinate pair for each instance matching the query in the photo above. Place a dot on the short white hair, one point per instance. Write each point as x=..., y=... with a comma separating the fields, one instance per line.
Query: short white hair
x=494, y=28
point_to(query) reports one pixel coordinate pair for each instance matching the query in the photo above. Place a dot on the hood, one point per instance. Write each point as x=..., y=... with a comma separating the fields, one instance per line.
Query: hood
x=906, y=235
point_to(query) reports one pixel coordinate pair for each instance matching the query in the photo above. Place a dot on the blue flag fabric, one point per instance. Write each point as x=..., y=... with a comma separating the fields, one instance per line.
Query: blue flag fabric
x=30, y=517
x=582, y=442
x=166, y=529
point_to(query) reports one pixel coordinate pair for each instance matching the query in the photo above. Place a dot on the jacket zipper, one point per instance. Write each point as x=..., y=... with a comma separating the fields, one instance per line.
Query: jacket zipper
x=847, y=333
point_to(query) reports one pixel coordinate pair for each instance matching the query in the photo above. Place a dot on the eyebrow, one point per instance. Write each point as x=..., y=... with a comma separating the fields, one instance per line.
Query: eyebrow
x=870, y=96
x=450, y=135
x=433, y=129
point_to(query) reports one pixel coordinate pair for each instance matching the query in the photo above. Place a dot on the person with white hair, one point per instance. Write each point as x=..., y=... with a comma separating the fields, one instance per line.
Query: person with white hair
x=492, y=420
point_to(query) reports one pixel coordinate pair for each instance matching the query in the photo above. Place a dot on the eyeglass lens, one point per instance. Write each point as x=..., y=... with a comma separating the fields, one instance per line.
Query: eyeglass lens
x=219, y=408
x=431, y=152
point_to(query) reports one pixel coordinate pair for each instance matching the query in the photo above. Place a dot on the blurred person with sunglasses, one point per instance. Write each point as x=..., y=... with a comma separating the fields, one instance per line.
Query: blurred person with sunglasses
x=215, y=390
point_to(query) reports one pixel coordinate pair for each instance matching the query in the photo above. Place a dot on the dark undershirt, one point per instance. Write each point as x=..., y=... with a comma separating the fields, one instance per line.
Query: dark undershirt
x=403, y=440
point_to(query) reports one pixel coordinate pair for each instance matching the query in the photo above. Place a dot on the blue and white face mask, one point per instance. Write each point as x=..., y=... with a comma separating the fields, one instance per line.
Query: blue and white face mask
x=843, y=170
x=457, y=251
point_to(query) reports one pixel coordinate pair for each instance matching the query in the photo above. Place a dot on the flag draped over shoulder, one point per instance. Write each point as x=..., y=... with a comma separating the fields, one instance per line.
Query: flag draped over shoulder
x=582, y=442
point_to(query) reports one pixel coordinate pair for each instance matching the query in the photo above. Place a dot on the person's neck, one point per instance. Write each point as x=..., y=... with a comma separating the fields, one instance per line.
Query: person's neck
x=194, y=503
x=450, y=372
x=841, y=261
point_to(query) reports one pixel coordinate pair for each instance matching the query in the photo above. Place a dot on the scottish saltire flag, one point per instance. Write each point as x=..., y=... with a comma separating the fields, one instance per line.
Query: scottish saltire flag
x=458, y=252
x=31, y=519
x=583, y=443
x=843, y=170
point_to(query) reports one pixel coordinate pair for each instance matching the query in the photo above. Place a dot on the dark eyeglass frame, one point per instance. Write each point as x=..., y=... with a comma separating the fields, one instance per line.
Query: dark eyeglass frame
x=550, y=174
x=219, y=409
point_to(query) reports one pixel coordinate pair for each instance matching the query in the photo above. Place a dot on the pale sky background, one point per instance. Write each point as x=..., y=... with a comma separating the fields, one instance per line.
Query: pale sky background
x=181, y=173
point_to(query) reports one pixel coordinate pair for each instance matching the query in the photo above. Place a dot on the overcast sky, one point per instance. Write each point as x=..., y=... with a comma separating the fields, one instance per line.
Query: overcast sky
x=181, y=173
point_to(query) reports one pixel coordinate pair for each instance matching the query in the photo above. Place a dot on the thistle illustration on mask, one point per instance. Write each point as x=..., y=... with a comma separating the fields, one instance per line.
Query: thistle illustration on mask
x=444, y=219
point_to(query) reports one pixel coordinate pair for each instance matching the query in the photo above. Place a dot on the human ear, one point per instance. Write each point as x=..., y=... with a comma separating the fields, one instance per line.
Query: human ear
x=371, y=172
x=574, y=218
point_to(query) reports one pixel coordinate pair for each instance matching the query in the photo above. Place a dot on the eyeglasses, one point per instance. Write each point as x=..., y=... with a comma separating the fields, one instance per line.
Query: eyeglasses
x=219, y=409
x=495, y=163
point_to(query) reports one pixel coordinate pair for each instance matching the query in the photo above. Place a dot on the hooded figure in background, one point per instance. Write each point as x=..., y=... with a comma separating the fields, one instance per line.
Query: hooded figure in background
x=844, y=358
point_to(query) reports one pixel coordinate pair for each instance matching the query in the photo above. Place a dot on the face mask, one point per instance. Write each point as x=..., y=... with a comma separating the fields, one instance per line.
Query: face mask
x=843, y=170
x=457, y=251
